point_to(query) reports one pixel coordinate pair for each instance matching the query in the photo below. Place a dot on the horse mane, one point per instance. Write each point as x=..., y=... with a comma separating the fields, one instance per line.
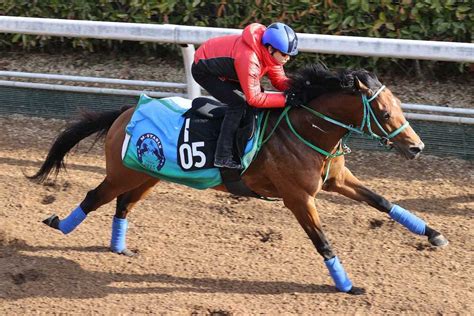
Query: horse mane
x=315, y=80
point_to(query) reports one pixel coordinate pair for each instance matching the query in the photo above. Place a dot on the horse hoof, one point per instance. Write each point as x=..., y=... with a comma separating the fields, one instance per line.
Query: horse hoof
x=438, y=241
x=356, y=291
x=52, y=221
x=126, y=252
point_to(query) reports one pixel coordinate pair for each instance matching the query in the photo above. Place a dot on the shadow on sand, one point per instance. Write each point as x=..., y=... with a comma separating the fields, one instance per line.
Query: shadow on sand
x=24, y=275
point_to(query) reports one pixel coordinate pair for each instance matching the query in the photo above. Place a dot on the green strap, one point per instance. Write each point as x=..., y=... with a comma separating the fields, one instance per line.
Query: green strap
x=327, y=171
x=285, y=115
x=262, y=141
x=331, y=120
x=319, y=150
x=368, y=116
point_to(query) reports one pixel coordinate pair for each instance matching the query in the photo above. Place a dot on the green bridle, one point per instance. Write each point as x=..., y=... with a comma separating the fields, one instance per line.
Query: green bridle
x=368, y=115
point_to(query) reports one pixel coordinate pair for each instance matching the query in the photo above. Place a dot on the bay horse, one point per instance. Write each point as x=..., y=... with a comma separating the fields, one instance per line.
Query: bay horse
x=301, y=154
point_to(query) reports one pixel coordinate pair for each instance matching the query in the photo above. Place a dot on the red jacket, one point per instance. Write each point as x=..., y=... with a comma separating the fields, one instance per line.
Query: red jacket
x=245, y=59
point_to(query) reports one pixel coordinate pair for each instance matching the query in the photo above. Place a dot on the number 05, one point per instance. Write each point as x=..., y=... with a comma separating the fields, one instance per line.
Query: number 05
x=188, y=153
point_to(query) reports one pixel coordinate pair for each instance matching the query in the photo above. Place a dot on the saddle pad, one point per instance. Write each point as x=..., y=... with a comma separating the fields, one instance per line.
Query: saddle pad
x=151, y=144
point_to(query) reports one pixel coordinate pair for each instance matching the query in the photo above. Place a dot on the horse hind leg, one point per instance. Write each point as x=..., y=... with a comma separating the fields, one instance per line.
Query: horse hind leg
x=102, y=194
x=95, y=198
x=125, y=202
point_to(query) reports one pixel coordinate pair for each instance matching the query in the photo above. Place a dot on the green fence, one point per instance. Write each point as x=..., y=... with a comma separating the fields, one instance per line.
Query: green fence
x=441, y=139
x=57, y=104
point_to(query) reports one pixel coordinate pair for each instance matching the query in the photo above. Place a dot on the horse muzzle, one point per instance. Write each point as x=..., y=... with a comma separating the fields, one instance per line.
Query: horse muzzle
x=410, y=152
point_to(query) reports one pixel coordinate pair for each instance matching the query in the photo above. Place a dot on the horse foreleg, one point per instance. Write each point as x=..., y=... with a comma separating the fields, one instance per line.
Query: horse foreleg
x=348, y=185
x=305, y=211
x=125, y=202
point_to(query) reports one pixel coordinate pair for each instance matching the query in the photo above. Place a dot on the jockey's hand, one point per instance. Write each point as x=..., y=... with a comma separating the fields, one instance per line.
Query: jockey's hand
x=293, y=100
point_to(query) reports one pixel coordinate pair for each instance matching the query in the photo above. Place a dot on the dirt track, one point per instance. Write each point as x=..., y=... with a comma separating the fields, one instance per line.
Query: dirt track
x=205, y=252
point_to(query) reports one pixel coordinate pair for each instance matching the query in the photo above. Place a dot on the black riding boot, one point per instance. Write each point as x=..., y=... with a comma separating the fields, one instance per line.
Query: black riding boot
x=224, y=157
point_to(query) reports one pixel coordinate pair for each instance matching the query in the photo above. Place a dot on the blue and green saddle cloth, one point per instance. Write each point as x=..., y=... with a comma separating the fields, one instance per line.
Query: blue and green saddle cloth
x=161, y=143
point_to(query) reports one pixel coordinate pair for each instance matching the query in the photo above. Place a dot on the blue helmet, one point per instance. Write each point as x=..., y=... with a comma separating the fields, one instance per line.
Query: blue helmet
x=281, y=37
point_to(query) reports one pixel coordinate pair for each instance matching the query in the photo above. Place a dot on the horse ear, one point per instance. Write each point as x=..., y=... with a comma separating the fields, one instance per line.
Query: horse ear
x=361, y=87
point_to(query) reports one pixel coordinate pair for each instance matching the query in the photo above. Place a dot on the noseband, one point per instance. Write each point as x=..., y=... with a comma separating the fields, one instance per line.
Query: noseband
x=369, y=113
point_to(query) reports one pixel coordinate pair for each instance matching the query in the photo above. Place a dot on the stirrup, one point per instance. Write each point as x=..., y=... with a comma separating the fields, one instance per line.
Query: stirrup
x=227, y=163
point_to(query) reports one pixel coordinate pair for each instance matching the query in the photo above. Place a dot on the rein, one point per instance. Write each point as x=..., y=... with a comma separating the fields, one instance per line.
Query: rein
x=368, y=115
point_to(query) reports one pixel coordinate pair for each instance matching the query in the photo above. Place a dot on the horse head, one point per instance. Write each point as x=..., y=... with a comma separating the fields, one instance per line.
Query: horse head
x=385, y=119
x=338, y=94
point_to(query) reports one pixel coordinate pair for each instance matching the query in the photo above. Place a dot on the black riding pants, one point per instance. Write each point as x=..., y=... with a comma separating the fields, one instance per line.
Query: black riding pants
x=229, y=93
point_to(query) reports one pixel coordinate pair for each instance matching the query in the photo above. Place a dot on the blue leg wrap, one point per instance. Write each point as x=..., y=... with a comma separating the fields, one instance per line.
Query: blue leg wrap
x=76, y=217
x=119, y=232
x=338, y=274
x=412, y=222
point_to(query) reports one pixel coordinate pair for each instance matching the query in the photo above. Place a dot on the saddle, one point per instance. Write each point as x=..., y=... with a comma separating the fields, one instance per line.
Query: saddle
x=205, y=112
x=174, y=139
x=203, y=123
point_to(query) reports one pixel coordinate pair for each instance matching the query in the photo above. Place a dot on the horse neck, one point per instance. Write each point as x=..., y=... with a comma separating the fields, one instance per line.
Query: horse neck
x=344, y=108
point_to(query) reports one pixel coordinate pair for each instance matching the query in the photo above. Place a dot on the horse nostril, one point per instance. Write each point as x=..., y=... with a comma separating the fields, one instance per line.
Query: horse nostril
x=417, y=149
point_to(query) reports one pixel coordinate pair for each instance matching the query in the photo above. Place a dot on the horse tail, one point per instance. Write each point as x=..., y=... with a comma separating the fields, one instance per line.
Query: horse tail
x=90, y=123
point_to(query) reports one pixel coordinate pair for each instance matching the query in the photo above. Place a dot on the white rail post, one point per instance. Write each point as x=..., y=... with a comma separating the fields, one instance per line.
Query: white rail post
x=194, y=89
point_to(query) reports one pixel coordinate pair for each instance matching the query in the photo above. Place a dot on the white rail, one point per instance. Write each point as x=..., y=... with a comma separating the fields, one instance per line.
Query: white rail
x=440, y=118
x=179, y=34
x=433, y=108
x=58, y=87
x=185, y=35
x=143, y=83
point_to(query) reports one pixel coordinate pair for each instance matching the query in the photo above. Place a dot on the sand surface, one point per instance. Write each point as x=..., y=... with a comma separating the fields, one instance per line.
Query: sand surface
x=207, y=252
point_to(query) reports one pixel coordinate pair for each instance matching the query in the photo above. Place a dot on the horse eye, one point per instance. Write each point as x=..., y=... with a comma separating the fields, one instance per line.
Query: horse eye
x=386, y=116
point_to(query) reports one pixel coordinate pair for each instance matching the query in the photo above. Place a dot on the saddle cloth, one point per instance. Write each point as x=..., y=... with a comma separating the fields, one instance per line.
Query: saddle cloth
x=163, y=140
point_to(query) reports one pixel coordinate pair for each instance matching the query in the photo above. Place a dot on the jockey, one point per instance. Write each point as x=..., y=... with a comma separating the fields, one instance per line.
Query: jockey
x=230, y=68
